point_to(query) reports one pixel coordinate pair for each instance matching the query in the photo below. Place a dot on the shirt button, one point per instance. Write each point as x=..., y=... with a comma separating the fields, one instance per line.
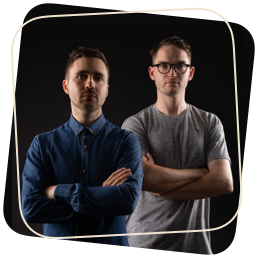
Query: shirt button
x=94, y=133
x=83, y=171
x=85, y=146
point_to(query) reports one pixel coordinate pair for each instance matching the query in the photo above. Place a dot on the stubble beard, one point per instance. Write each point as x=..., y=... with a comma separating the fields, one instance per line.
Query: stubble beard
x=170, y=92
x=88, y=107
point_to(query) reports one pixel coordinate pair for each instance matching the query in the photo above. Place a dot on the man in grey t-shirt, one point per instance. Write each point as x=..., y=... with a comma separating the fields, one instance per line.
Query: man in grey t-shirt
x=184, y=157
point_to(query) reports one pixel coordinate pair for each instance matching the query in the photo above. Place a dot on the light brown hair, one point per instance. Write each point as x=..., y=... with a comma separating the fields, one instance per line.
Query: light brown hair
x=174, y=40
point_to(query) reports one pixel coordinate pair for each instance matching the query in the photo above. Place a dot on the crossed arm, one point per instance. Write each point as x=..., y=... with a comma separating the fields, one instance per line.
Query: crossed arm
x=46, y=203
x=195, y=183
x=116, y=178
x=187, y=184
x=48, y=207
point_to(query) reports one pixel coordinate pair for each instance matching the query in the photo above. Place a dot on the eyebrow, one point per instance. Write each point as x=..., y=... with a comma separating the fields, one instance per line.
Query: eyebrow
x=179, y=62
x=95, y=73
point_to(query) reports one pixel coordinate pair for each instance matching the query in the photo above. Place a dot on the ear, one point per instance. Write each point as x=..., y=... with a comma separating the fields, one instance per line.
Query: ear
x=151, y=73
x=191, y=73
x=65, y=86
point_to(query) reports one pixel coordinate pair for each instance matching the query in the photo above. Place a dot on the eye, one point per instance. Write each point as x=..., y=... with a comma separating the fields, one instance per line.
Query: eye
x=181, y=65
x=98, y=78
x=164, y=66
x=81, y=76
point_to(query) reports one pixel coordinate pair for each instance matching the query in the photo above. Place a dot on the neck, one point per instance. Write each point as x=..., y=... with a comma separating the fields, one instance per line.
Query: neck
x=86, y=118
x=171, y=105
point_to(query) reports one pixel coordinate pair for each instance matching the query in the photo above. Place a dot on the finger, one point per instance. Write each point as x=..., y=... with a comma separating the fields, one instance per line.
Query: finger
x=122, y=178
x=145, y=158
x=156, y=194
x=121, y=182
x=149, y=157
x=114, y=174
x=123, y=175
x=118, y=171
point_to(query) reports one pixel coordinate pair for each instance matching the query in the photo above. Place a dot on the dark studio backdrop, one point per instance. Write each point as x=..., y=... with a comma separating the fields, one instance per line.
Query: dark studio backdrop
x=125, y=39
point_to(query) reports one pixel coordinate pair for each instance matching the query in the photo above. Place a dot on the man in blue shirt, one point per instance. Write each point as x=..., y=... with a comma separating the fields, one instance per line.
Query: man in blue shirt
x=82, y=178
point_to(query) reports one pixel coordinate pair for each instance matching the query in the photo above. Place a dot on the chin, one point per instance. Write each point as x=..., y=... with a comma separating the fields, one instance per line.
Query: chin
x=170, y=93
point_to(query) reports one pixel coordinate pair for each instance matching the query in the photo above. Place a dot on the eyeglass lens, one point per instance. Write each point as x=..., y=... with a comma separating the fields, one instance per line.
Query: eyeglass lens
x=165, y=68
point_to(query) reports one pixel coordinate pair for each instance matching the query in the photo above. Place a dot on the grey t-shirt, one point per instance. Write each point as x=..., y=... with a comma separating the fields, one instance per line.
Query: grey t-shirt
x=190, y=140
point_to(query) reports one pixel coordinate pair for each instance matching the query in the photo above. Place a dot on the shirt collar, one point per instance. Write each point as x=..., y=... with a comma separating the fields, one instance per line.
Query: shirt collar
x=94, y=128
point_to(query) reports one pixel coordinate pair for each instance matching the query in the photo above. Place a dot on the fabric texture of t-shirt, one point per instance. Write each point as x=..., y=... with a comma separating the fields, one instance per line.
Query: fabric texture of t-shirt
x=190, y=140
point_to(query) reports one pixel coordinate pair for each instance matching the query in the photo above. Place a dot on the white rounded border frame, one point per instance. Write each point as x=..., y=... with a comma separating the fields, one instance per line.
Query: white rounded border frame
x=114, y=13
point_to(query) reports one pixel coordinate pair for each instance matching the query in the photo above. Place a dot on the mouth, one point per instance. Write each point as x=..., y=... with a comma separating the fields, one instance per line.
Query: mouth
x=89, y=95
x=172, y=82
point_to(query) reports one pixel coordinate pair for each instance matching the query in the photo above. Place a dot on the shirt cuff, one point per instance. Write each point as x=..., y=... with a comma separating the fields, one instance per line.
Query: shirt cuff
x=63, y=193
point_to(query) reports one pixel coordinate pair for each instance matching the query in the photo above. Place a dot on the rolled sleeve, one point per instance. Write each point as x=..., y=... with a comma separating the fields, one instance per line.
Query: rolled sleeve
x=63, y=193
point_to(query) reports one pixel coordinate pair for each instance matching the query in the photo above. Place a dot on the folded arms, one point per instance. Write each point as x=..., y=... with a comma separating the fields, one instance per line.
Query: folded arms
x=187, y=184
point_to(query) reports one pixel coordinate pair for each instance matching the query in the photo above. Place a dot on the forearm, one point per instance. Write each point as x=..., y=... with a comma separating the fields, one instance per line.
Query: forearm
x=111, y=200
x=158, y=179
x=99, y=201
x=40, y=207
x=205, y=187
x=36, y=208
x=217, y=182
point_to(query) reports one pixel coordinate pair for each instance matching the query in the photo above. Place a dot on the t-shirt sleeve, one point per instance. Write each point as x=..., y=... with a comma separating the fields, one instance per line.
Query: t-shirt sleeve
x=135, y=126
x=216, y=142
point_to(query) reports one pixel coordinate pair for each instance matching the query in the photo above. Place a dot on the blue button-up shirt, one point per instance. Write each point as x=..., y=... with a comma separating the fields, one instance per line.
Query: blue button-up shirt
x=78, y=160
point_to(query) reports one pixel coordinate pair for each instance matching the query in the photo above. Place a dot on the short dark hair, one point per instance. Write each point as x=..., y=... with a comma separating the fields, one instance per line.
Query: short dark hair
x=174, y=40
x=85, y=52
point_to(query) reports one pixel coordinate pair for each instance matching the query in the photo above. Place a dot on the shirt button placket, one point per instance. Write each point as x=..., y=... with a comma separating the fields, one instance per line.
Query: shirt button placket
x=84, y=161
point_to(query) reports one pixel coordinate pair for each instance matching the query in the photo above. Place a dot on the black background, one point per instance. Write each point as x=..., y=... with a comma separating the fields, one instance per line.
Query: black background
x=125, y=39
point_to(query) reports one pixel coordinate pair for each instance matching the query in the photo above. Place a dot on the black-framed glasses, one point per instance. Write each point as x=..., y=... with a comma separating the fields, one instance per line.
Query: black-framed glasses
x=165, y=67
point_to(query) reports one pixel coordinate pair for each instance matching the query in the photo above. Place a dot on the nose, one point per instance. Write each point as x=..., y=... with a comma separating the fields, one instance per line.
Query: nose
x=89, y=82
x=172, y=71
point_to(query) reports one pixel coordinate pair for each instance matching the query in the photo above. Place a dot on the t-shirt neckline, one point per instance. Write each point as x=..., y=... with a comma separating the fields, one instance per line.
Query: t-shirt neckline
x=172, y=117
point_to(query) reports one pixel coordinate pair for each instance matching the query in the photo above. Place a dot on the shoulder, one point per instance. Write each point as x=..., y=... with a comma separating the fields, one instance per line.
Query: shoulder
x=44, y=142
x=203, y=116
x=53, y=134
x=140, y=118
x=119, y=137
x=116, y=132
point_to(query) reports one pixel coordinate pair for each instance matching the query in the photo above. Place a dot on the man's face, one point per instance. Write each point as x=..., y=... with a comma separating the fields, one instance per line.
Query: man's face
x=172, y=83
x=87, y=84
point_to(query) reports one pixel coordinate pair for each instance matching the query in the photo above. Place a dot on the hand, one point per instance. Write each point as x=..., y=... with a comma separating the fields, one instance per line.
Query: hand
x=49, y=192
x=117, y=177
x=149, y=158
